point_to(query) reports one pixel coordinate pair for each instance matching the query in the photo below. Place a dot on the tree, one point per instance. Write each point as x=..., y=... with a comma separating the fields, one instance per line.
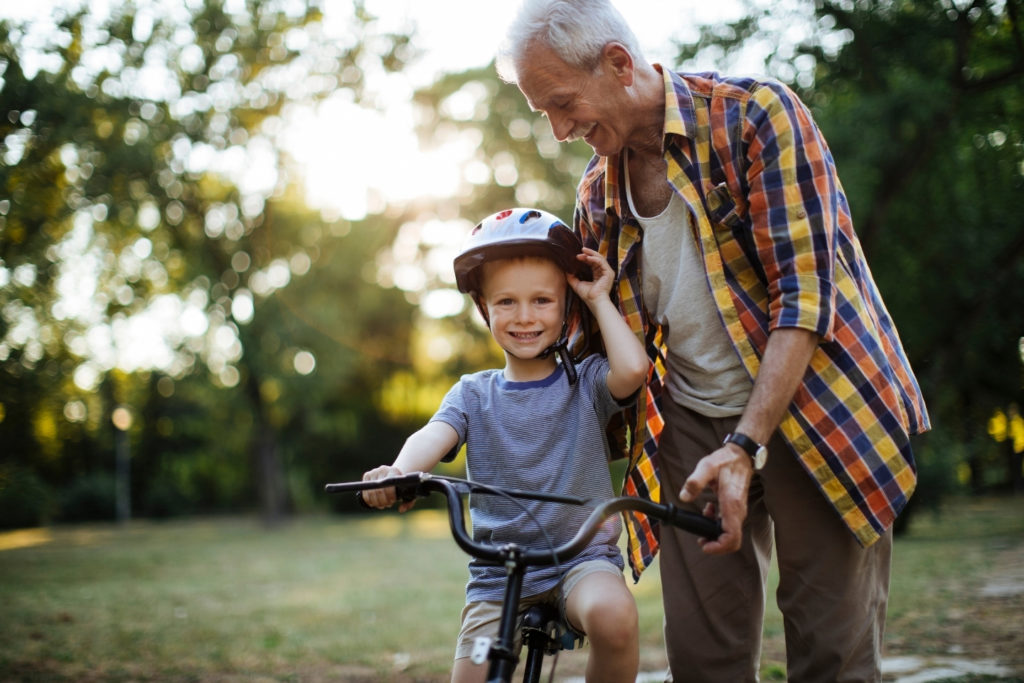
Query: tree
x=140, y=186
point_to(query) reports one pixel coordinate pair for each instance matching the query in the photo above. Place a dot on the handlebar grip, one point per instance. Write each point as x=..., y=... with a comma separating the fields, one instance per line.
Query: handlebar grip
x=403, y=494
x=697, y=524
x=407, y=487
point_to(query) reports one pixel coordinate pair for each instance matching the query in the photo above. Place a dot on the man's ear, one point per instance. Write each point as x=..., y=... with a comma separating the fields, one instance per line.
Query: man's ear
x=618, y=60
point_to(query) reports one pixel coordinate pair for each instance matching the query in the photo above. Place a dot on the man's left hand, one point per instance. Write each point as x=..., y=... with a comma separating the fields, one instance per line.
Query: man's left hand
x=727, y=473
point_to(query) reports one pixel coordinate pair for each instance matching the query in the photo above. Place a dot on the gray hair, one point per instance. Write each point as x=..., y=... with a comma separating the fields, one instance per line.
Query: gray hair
x=577, y=31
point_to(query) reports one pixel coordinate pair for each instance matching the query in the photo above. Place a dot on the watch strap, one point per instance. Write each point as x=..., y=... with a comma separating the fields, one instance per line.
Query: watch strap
x=744, y=442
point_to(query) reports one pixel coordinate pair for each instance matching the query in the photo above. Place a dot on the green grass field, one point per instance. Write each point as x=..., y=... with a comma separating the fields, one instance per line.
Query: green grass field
x=377, y=598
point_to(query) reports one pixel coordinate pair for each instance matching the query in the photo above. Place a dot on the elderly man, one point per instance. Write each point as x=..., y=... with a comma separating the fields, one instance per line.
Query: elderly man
x=780, y=396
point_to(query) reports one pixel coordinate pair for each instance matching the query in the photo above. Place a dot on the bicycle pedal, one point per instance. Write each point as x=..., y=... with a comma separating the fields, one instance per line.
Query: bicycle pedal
x=481, y=646
x=569, y=640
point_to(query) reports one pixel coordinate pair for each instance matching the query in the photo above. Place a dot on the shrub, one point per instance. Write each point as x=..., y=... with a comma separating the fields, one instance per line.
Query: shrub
x=164, y=499
x=91, y=498
x=25, y=500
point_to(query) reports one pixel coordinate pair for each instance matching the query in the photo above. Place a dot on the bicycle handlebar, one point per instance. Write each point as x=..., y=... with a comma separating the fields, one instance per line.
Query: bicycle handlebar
x=421, y=484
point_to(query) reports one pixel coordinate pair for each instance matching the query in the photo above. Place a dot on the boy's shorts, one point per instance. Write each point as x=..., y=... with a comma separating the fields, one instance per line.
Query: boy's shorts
x=481, y=619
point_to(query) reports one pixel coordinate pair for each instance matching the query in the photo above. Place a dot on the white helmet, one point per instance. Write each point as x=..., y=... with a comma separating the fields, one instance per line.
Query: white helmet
x=516, y=233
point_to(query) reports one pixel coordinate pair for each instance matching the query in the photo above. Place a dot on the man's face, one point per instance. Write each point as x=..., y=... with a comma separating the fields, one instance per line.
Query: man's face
x=577, y=104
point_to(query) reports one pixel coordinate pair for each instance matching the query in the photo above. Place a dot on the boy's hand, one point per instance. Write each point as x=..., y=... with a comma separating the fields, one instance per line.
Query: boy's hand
x=603, y=277
x=383, y=498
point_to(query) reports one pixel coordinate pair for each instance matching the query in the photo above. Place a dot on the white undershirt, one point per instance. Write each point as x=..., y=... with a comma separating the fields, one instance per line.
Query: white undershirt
x=704, y=371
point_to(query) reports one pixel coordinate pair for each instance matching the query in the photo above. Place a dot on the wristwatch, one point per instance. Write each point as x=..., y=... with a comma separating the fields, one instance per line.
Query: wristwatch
x=757, y=452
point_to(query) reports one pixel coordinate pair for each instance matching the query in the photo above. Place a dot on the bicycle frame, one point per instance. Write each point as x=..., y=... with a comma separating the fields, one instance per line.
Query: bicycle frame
x=514, y=558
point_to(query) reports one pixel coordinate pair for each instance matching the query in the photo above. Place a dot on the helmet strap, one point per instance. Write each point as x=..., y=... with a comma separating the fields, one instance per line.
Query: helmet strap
x=561, y=345
x=483, y=309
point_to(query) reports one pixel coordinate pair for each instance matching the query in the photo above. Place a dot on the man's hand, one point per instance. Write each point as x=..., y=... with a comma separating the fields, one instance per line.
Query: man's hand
x=728, y=470
x=727, y=473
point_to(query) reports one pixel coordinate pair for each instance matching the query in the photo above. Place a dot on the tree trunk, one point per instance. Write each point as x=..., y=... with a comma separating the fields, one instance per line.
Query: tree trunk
x=1015, y=461
x=267, y=466
x=269, y=470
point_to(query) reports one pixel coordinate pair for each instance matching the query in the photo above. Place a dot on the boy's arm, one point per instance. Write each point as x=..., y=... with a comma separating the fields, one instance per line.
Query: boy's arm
x=627, y=359
x=420, y=453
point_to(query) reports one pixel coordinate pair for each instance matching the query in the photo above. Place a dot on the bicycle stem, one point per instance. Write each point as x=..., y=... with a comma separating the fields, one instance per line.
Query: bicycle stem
x=503, y=656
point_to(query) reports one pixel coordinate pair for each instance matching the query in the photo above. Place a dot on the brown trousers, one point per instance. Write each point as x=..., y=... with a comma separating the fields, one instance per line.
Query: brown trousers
x=832, y=592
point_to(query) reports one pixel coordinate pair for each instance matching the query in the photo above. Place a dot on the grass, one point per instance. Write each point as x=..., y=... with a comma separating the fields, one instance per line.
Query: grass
x=958, y=583
x=377, y=598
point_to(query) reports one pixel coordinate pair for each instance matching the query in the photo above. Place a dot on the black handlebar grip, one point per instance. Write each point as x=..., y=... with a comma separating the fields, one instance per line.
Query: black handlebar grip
x=404, y=494
x=407, y=493
x=700, y=525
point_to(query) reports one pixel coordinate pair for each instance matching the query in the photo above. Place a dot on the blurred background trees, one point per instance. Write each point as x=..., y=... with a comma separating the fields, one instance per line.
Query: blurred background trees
x=158, y=254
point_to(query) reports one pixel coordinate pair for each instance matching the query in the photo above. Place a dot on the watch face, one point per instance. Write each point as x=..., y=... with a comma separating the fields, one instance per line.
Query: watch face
x=760, y=457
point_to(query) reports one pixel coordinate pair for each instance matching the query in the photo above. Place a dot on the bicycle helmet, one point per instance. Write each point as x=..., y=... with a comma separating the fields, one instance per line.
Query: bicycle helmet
x=519, y=233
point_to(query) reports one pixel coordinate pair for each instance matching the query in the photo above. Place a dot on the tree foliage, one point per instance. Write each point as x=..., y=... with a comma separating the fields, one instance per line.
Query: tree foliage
x=141, y=188
x=155, y=251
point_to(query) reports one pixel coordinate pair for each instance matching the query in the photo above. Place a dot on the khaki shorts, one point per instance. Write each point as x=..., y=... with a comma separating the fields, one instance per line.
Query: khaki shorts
x=481, y=619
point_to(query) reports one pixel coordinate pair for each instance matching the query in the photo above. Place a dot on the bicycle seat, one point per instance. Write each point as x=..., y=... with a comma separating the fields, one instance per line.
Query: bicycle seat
x=544, y=626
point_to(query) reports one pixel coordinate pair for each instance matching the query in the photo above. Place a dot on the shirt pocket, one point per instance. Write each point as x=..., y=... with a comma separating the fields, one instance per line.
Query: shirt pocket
x=722, y=209
x=727, y=224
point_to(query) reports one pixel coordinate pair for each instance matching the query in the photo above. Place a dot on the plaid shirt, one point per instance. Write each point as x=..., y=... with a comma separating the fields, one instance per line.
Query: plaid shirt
x=779, y=250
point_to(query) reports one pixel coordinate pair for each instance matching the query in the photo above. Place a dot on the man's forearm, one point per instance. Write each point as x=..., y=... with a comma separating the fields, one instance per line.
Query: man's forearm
x=783, y=366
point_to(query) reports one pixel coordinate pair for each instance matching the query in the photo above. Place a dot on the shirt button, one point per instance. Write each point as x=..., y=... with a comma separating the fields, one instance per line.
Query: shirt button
x=801, y=214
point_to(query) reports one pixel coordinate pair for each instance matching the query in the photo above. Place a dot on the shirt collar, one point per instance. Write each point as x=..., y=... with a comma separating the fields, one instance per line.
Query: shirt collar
x=679, y=120
x=679, y=116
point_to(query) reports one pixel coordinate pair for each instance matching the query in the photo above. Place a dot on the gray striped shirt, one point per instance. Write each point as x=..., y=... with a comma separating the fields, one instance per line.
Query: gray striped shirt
x=537, y=436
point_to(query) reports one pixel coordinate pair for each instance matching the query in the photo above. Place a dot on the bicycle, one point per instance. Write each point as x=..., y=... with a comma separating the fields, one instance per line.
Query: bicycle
x=541, y=628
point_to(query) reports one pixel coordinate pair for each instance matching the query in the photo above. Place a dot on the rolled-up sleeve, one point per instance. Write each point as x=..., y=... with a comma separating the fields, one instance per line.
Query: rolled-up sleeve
x=793, y=200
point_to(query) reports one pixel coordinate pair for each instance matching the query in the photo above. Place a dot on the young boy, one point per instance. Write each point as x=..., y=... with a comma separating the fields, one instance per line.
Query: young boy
x=526, y=427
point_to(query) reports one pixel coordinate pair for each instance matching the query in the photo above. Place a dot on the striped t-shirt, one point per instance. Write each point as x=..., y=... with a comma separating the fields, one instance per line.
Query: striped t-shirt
x=544, y=436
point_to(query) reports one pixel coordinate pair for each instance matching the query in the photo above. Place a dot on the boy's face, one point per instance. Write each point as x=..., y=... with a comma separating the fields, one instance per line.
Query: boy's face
x=525, y=301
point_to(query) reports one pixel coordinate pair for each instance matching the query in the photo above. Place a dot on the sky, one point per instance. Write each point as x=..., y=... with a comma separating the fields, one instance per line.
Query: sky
x=454, y=35
x=480, y=25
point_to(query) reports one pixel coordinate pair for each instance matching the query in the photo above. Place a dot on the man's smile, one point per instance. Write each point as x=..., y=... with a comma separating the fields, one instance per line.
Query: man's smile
x=581, y=131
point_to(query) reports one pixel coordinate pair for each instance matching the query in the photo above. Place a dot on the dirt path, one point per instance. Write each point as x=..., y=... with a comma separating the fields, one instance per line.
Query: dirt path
x=982, y=634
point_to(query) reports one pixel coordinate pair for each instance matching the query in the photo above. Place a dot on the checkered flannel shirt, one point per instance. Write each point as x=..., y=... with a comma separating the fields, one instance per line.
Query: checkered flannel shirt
x=779, y=249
